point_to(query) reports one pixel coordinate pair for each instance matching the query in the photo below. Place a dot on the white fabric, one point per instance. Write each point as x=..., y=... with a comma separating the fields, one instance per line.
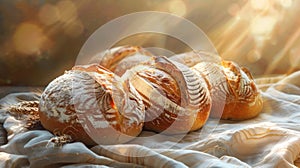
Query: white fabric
x=270, y=140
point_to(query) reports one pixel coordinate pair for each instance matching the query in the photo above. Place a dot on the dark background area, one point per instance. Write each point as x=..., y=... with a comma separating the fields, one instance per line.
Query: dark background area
x=40, y=39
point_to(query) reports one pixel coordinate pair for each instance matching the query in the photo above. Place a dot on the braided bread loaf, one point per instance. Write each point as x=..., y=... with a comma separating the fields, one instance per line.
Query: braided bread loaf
x=170, y=95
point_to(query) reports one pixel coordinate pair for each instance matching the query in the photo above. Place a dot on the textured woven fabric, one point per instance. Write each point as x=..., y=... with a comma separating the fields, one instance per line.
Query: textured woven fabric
x=270, y=140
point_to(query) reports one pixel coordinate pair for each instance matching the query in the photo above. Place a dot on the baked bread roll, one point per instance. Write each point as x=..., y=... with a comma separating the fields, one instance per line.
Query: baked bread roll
x=92, y=105
x=234, y=94
x=192, y=58
x=245, y=101
x=170, y=95
x=119, y=59
x=177, y=100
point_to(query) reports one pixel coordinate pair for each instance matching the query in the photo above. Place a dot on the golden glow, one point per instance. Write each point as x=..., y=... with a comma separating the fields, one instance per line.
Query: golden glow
x=260, y=4
x=68, y=10
x=49, y=14
x=177, y=7
x=294, y=57
x=253, y=25
x=260, y=34
x=234, y=9
x=29, y=38
x=253, y=56
x=281, y=55
x=74, y=29
x=286, y=3
x=263, y=26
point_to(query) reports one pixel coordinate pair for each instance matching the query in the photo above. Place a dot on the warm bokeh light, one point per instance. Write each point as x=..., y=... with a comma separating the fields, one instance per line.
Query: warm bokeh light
x=286, y=3
x=29, y=39
x=49, y=14
x=177, y=7
x=294, y=57
x=74, y=29
x=67, y=10
x=234, y=9
x=260, y=4
x=46, y=36
x=250, y=37
x=263, y=26
x=253, y=56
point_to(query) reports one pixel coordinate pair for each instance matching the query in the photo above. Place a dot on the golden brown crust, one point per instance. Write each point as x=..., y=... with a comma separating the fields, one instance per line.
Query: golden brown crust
x=163, y=82
x=76, y=131
x=119, y=59
x=247, y=102
x=167, y=86
x=92, y=105
x=234, y=93
x=176, y=100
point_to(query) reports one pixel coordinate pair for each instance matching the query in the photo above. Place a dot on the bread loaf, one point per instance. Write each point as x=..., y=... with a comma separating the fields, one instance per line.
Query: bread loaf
x=233, y=91
x=234, y=94
x=119, y=59
x=92, y=105
x=177, y=100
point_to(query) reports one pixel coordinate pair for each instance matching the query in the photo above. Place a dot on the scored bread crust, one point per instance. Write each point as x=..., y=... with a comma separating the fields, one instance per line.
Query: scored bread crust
x=177, y=100
x=90, y=104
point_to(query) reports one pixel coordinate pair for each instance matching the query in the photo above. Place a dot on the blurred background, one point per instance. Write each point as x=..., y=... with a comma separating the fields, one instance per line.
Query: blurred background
x=40, y=39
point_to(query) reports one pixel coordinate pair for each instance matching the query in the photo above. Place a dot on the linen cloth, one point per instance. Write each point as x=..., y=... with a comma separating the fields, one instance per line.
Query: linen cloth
x=272, y=139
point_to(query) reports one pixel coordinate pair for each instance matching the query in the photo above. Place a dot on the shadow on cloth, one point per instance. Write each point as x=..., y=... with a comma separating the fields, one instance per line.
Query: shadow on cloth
x=270, y=140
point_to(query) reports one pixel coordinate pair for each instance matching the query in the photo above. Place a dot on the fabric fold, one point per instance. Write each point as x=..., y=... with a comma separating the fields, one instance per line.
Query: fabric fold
x=272, y=139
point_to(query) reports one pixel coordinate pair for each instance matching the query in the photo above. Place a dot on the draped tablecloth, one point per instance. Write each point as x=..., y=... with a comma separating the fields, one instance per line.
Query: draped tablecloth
x=270, y=140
